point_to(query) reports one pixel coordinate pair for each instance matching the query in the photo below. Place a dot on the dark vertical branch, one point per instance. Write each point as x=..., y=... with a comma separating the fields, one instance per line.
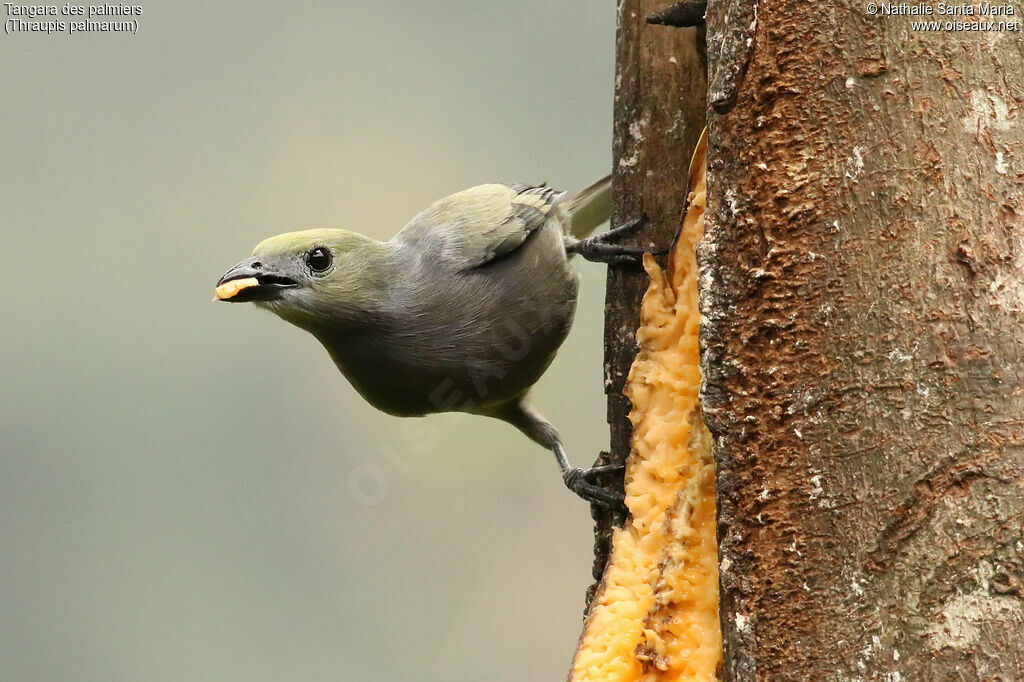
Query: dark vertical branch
x=659, y=115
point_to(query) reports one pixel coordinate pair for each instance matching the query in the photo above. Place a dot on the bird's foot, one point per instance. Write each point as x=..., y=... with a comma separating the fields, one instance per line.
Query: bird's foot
x=625, y=228
x=599, y=248
x=681, y=14
x=583, y=483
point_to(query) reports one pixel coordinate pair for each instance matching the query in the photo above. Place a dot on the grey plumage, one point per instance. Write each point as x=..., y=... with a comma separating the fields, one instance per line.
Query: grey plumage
x=462, y=310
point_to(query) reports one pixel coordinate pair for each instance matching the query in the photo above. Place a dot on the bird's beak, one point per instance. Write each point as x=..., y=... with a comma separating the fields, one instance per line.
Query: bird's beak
x=251, y=280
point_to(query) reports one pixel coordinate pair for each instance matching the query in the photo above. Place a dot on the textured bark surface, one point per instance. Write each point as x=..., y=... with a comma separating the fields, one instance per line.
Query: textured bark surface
x=862, y=287
x=659, y=115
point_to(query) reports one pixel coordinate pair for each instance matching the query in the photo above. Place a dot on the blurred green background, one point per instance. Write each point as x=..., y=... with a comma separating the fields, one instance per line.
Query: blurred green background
x=189, y=490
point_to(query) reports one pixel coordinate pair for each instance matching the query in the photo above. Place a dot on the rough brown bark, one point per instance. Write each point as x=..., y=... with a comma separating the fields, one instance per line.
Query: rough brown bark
x=659, y=115
x=863, y=298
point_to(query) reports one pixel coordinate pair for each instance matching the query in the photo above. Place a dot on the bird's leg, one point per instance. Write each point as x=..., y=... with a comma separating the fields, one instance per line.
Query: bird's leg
x=599, y=248
x=581, y=481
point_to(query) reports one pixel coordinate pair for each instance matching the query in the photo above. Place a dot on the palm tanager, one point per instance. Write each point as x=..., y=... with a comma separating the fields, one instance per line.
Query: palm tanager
x=462, y=310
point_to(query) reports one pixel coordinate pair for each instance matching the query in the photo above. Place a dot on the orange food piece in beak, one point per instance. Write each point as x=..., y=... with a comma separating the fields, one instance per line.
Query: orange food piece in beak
x=231, y=288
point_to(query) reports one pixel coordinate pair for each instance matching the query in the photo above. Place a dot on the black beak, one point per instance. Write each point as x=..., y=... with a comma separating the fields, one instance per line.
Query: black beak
x=251, y=280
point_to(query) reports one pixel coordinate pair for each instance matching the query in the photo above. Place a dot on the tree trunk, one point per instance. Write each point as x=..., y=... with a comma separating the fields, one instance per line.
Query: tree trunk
x=862, y=293
x=862, y=328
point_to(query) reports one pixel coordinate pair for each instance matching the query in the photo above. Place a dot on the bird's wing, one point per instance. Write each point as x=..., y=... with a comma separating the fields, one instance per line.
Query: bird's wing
x=481, y=224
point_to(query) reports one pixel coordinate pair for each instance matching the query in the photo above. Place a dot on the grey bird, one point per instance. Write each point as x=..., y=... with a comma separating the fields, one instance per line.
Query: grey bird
x=462, y=310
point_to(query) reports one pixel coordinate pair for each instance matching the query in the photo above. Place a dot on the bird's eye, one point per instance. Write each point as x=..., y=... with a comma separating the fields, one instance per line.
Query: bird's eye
x=319, y=259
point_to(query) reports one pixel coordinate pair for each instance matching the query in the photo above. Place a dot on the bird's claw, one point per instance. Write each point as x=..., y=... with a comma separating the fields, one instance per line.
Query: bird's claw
x=601, y=470
x=681, y=14
x=580, y=481
x=625, y=228
x=599, y=249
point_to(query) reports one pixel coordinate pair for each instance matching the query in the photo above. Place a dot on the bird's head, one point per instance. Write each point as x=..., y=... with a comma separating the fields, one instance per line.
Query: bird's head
x=306, y=277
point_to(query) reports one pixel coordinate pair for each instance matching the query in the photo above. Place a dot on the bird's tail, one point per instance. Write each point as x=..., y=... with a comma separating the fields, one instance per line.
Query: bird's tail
x=590, y=207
